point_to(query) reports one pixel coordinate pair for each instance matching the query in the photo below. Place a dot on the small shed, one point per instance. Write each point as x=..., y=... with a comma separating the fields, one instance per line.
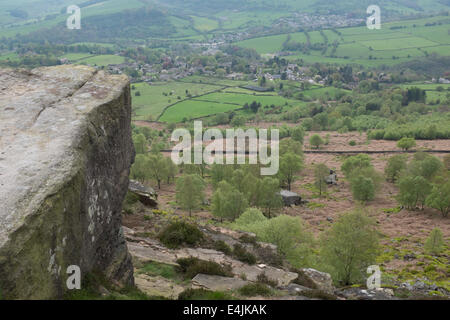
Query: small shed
x=146, y=195
x=290, y=198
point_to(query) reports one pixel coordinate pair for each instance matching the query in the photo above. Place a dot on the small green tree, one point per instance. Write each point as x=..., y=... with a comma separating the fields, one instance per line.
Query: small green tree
x=139, y=170
x=413, y=191
x=220, y=172
x=291, y=146
x=157, y=168
x=363, y=188
x=439, y=198
x=290, y=165
x=237, y=180
x=351, y=164
x=190, y=192
x=395, y=165
x=406, y=143
x=349, y=247
x=251, y=189
x=270, y=197
x=227, y=202
x=435, y=242
x=320, y=172
x=425, y=165
x=298, y=134
x=140, y=143
x=171, y=170
x=316, y=141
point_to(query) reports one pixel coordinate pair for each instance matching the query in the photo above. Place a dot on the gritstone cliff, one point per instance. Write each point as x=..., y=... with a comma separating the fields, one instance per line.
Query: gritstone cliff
x=65, y=156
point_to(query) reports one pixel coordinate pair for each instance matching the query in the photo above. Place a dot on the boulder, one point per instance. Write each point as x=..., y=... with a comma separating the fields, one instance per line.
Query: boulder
x=321, y=280
x=145, y=194
x=290, y=198
x=65, y=157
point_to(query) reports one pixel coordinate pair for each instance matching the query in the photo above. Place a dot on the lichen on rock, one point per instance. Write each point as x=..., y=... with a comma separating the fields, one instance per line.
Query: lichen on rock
x=65, y=156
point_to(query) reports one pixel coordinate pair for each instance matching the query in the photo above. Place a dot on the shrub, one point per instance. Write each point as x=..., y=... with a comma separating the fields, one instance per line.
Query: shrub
x=435, y=243
x=269, y=256
x=413, y=191
x=179, y=233
x=363, y=189
x=193, y=266
x=406, y=143
x=243, y=255
x=316, y=141
x=250, y=216
x=352, y=143
x=439, y=198
x=395, y=165
x=255, y=289
x=360, y=161
x=202, y=294
x=349, y=247
x=223, y=247
x=264, y=279
x=159, y=269
x=288, y=233
x=248, y=239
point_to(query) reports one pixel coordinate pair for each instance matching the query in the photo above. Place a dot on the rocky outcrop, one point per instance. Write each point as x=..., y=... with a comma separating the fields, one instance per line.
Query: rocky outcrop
x=146, y=195
x=65, y=155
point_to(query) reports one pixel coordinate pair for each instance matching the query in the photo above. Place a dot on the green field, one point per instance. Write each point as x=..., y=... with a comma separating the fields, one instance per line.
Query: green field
x=241, y=99
x=102, y=60
x=431, y=89
x=74, y=57
x=154, y=98
x=191, y=109
x=394, y=43
x=44, y=7
x=215, y=81
x=205, y=24
x=169, y=102
x=218, y=102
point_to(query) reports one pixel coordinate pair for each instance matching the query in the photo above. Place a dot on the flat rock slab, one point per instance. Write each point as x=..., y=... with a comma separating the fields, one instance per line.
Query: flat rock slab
x=158, y=286
x=147, y=253
x=149, y=250
x=217, y=283
x=283, y=278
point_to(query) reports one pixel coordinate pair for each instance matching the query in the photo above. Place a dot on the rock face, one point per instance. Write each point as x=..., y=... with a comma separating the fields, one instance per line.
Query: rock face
x=65, y=155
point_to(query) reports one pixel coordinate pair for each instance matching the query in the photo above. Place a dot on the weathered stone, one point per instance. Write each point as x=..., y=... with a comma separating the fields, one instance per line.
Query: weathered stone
x=158, y=286
x=296, y=289
x=217, y=283
x=145, y=194
x=150, y=250
x=321, y=280
x=365, y=294
x=65, y=156
x=145, y=254
x=290, y=198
